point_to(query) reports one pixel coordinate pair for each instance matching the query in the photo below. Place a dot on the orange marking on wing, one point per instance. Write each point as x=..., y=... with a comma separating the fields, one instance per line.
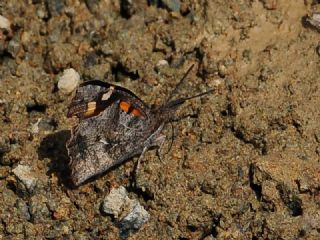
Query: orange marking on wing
x=136, y=112
x=125, y=106
x=128, y=108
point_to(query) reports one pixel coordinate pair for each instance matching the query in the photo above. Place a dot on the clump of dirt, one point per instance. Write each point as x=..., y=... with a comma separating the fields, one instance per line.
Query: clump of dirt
x=244, y=163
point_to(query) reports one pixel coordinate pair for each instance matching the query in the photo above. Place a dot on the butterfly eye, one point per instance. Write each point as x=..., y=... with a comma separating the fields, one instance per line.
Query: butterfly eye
x=128, y=108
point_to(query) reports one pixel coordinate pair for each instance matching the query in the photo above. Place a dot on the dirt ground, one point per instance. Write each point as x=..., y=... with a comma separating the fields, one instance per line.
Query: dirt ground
x=244, y=163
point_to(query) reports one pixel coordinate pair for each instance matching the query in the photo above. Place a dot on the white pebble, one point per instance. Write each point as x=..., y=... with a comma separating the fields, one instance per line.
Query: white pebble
x=113, y=203
x=162, y=63
x=4, y=23
x=25, y=175
x=69, y=81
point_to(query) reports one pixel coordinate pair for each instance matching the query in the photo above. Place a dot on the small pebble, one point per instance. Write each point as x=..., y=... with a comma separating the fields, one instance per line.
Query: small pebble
x=4, y=23
x=69, y=81
x=173, y=5
x=130, y=213
x=113, y=203
x=135, y=219
x=162, y=63
x=26, y=176
x=41, y=13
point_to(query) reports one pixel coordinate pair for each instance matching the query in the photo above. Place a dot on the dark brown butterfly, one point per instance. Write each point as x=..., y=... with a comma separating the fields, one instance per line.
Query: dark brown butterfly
x=114, y=125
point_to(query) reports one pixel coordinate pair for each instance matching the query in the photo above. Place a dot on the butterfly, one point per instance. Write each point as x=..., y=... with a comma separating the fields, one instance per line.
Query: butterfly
x=114, y=126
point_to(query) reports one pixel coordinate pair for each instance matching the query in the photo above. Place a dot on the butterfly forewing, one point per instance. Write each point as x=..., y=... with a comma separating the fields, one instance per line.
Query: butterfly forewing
x=111, y=129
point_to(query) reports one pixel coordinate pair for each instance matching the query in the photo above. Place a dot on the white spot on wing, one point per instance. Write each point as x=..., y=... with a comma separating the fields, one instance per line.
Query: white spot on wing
x=107, y=95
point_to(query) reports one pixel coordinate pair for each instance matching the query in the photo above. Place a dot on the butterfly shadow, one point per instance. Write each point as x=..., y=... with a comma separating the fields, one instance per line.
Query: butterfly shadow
x=53, y=146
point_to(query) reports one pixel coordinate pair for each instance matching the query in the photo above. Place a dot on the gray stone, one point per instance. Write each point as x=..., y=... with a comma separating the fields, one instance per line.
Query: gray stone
x=173, y=5
x=136, y=218
x=129, y=212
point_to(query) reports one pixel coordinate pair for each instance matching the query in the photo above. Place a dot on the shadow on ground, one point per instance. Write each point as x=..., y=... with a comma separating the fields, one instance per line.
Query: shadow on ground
x=53, y=147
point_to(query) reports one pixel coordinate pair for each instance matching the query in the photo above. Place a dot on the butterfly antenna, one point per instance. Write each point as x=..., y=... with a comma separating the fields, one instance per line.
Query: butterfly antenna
x=180, y=83
x=198, y=95
x=172, y=137
x=179, y=101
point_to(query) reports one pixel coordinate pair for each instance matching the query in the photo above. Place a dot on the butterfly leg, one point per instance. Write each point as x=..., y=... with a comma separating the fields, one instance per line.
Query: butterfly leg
x=139, y=160
x=159, y=142
x=137, y=167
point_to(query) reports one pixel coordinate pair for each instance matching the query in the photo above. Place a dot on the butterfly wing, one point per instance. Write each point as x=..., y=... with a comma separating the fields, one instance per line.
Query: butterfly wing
x=93, y=97
x=114, y=125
